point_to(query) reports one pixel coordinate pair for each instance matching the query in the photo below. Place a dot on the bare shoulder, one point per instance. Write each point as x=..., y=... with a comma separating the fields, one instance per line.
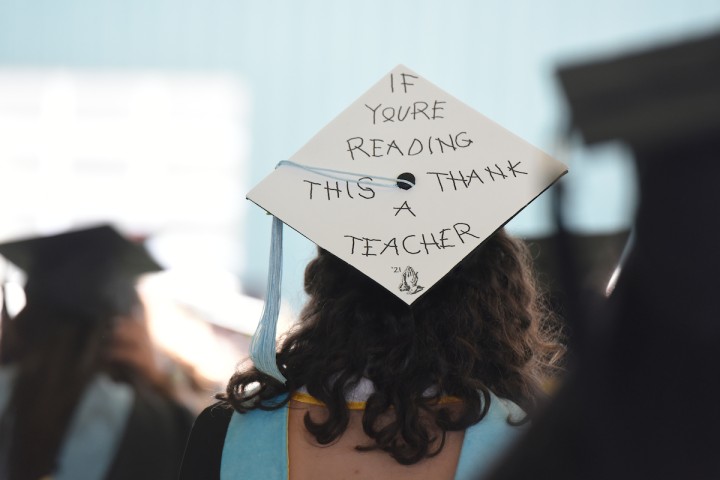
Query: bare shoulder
x=339, y=460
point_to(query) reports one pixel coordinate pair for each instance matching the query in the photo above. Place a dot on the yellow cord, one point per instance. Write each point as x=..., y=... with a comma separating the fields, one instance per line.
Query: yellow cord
x=309, y=399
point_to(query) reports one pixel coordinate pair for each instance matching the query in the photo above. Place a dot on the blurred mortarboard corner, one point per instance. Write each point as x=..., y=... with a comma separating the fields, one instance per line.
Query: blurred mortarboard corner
x=647, y=97
x=91, y=270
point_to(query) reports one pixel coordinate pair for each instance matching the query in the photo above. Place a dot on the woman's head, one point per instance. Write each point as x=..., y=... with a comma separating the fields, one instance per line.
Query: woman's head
x=483, y=322
x=481, y=328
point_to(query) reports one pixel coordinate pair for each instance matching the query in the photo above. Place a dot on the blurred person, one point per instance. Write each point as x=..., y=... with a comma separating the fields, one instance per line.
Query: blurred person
x=379, y=389
x=641, y=402
x=81, y=395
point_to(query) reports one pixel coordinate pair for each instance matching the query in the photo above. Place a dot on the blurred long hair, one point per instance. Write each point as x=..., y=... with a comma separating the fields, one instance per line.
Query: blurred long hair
x=482, y=328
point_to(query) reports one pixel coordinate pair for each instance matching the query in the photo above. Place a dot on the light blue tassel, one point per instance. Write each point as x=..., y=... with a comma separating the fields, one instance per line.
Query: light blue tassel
x=262, y=347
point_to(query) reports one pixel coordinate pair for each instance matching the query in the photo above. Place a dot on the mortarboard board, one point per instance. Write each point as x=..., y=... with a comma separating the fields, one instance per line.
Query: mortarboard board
x=89, y=271
x=402, y=185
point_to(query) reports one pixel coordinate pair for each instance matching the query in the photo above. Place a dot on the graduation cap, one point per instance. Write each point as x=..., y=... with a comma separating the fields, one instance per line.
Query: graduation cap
x=402, y=185
x=88, y=272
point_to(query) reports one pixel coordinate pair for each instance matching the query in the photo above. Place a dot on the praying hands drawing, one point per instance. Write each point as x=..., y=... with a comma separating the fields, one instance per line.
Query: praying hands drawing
x=409, y=282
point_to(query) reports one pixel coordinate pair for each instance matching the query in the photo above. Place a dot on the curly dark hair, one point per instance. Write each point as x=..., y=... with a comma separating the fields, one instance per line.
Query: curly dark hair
x=482, y=328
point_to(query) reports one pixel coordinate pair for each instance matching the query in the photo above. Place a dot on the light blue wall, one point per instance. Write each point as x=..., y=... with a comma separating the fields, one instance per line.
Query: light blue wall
x=304, y=61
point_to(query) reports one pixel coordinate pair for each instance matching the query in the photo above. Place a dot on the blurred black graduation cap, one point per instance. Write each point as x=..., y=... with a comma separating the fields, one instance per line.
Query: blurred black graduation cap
x=653, y=99
x=88, y=272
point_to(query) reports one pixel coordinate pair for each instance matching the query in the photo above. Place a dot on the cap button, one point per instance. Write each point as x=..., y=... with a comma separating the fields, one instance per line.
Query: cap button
x=408, y=177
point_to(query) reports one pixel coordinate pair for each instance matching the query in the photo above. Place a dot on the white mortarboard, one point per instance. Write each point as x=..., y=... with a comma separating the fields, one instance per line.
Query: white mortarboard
x=402, y=185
